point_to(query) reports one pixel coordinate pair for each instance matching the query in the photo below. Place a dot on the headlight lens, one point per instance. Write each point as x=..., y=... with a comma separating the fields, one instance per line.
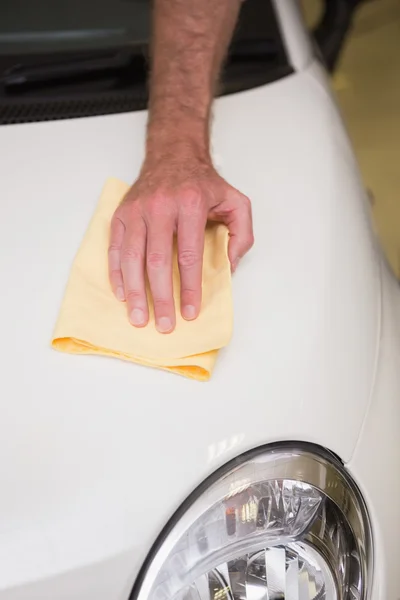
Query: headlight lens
x=284, y=524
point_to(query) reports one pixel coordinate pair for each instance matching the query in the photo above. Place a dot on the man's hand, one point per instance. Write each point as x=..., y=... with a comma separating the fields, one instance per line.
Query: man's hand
x=178, y=188
x=172, y=197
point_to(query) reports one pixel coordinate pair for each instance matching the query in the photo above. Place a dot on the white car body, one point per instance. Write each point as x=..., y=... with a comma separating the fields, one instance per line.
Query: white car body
x=95, y=454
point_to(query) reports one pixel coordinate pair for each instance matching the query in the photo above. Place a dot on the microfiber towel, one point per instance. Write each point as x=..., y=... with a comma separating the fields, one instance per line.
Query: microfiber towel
x=92, y=321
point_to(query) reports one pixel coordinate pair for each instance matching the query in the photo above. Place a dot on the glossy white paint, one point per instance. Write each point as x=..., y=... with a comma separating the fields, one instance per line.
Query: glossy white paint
x=376, y=460
x=95, y=454
x=297, y=41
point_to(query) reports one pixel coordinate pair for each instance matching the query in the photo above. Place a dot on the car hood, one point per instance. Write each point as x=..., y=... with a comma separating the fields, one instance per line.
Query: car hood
x=96, y=454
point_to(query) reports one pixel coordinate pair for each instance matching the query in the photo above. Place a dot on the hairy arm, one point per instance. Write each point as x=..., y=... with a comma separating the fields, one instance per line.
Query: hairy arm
x=191, y=38
x=178, y=189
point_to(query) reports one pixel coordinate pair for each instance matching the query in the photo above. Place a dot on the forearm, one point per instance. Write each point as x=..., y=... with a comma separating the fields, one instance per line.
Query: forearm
x=190, y=41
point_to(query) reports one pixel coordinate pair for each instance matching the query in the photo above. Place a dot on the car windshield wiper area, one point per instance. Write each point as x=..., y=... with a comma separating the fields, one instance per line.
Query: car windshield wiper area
x=44, y=73
x=86, y=84
x=38, y=88
x=79, y=59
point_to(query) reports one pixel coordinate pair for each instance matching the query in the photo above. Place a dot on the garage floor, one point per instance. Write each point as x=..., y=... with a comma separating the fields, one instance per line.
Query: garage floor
x=368, y=86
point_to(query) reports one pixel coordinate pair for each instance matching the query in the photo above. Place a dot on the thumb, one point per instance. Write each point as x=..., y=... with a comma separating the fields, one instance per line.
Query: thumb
x=238, y=218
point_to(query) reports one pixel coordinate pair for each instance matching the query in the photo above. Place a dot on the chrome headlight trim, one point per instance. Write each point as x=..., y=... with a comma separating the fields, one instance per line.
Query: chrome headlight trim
x=307, y=464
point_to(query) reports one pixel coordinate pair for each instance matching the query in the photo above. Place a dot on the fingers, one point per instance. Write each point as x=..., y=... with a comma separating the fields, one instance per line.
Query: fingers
x=142, y=240
x=241, y=237
x=160, y=234
x=132, y=254
x=114, y=258
x=191, y=230
x=236, y=213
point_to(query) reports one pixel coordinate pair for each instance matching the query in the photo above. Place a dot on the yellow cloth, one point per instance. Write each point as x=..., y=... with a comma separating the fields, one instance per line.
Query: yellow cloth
x=92, y=321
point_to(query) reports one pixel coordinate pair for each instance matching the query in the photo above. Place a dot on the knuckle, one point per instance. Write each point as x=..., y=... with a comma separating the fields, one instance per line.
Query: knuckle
x=191, y=203
x=133, y=296
x=250, y=240
x=159, y=205
x=119, y=217
x=246, y=202
x=162, y=305
x=116, y=218
x=113, y=248
x=129, y=254
x=189, y=296
x=128, y=212
x=188, y=259
x=156, y=260
x=115, y=274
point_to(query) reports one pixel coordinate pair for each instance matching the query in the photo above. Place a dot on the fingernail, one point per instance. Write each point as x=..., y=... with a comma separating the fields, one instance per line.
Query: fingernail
x=120, y=294
x=164, y=325
x=189, y=312
x=137, y=317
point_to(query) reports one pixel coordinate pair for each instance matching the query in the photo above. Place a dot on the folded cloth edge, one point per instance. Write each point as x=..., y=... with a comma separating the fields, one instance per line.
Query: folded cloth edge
x=197, y=365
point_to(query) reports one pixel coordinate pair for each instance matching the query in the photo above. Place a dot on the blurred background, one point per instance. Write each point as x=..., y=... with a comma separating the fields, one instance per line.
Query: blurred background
x=367, y=83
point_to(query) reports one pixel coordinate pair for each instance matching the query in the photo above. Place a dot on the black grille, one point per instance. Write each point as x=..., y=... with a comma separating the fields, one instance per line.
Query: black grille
x=45, y=110
x=238, y=76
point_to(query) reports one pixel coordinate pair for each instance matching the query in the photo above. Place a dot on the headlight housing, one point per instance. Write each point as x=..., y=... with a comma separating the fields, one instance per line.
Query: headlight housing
x=280, y=523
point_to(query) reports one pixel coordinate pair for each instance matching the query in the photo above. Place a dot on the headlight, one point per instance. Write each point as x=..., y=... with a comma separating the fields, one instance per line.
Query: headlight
x=283, y=524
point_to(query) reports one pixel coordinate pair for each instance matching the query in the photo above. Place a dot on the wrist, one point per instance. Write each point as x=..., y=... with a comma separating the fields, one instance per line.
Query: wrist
x=177, y=159
x=175, y=164
x=177, y=146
